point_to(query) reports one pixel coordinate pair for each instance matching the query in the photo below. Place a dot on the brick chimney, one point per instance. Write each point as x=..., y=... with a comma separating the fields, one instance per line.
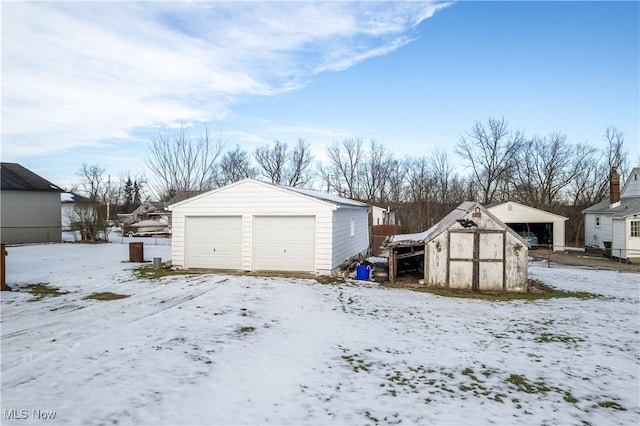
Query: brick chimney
x=614, y=188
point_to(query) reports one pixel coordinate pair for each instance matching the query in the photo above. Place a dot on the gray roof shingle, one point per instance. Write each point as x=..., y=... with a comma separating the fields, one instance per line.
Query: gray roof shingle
x=17, y=178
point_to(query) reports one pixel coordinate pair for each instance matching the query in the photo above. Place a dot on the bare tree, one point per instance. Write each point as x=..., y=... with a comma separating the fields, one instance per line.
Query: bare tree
x=419, y=194
x=89, y=217
x=233, y=166
x=546, y=167
x=395, y=183
x=181, y=162
x=489, y=151
x=616, y=152
x=341, y=174
x=374, y=172
x=283, y=166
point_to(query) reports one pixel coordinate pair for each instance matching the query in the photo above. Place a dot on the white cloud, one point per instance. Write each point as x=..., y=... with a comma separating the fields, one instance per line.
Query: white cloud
x=77, y=74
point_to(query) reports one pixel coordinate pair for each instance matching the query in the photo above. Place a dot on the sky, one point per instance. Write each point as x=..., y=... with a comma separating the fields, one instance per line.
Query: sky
x=92, y=82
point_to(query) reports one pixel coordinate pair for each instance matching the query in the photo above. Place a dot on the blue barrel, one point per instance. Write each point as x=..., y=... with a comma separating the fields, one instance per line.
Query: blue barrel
x=362, y=272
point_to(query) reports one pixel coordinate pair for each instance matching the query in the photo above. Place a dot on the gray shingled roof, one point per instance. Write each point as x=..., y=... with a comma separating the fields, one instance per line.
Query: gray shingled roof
x=627, y=206
x=17, y=178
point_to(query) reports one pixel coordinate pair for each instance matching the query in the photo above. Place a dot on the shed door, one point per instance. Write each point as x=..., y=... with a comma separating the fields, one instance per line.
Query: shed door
x=476, y=260
x=284, y=243
x=213, y=242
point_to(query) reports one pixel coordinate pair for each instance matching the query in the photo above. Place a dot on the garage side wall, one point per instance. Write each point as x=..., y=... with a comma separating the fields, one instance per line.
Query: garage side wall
x=346, y=245
x=30, y=217
x=251, y=199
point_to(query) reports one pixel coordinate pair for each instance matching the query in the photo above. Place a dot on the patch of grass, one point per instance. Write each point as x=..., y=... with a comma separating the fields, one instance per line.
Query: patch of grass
x=370, y=417
x=107, y=295
x=536, y=290
x=357, y=364
x=611, y=404
x=42, y=290
x=246, y=329
x=498, y=397
x=549, y=337
x=569, y=397
x=148, y=272
x=330, y=280
x=522, y=384
x=469, y=372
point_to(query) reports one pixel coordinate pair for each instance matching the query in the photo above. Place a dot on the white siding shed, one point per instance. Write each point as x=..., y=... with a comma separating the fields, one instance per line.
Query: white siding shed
x=468, y=249
x=256, y=226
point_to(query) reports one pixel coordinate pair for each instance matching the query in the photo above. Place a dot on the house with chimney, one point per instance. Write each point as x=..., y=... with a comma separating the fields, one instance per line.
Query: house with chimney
x=614, y=224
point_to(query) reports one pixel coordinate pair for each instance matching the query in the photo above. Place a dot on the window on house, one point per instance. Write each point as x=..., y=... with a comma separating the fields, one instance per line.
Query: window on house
x=597, y=221
x=353, y=227
x=635, y=228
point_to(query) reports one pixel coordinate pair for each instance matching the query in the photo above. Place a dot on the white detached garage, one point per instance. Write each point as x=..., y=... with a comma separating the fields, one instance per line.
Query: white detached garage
x=256, y=226
x=548, y=227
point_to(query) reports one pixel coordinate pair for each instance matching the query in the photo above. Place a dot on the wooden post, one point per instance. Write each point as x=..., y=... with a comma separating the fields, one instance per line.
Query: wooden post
x=3, y=283
x=392, y=266
x=475, y=277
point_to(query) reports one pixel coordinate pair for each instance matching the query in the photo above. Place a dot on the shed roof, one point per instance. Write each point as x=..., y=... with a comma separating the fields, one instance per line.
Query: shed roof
x=15, y=177
x=458, y=213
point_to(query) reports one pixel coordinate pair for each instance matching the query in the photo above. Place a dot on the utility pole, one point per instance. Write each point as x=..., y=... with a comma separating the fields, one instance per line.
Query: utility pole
x=108, y=197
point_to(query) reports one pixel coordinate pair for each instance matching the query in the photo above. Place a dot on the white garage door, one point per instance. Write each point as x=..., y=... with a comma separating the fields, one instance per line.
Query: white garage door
x=284, y=243
x=213, y=242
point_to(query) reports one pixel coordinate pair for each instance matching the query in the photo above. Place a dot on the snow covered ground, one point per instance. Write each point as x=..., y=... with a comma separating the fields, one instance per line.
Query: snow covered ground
x=221, y=349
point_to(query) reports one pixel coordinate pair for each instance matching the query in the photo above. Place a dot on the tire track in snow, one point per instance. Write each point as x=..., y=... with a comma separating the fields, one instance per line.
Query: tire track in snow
x=45, y=330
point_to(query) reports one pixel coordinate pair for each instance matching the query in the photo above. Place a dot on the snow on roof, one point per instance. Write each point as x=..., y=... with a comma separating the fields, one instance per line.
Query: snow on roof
x=325, y=196
x=71, y=198
x=66, y=197
x=421, y=237
x=458, y=213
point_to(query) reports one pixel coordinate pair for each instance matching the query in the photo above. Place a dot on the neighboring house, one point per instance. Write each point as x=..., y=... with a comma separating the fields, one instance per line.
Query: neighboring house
x=68, y=202
x=614, y=223
x=30, y=207
x=548, y=227
x=382, y=215
x=256, y=226
x=149, y=210
x=469, y=249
